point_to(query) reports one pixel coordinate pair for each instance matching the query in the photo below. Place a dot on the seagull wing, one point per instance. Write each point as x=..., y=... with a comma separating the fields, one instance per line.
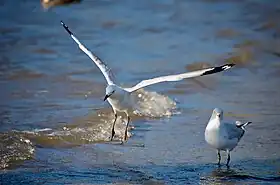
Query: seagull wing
x=101, y=65
x=179, y=77
x=233, y=131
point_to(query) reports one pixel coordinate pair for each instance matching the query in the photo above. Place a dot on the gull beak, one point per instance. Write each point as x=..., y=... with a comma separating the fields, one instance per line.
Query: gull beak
x=219, y=115
x=106, y=96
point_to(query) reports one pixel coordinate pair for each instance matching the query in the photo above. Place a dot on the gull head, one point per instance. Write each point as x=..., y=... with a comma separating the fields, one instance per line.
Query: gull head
x=110, y=89
x=217, y=113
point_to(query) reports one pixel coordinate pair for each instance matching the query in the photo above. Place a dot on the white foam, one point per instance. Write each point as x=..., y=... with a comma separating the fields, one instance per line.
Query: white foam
x=153, y=104
x=36, y=131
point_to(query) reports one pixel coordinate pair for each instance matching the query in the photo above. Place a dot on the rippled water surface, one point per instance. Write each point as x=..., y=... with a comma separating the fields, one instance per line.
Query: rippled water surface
x=55, y=127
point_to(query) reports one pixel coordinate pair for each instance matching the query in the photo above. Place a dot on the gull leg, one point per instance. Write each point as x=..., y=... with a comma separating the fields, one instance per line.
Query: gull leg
x=113, y=128
x=228, y=158
x=125, y=134
x=219, y=158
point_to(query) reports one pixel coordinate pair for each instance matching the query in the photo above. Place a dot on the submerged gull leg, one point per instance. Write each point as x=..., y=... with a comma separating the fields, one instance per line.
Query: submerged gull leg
x=113, y=128
x=228, y=158
x=219, y=158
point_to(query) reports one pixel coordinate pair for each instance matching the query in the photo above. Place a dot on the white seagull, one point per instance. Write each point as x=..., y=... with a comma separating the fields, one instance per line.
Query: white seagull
x=119, y=97
x=223, y=136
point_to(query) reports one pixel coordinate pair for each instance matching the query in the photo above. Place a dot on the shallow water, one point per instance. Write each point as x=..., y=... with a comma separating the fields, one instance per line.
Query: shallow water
x=55, y=126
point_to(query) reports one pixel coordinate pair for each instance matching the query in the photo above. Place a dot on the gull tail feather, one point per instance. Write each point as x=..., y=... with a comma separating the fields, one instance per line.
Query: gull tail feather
x=243, y=125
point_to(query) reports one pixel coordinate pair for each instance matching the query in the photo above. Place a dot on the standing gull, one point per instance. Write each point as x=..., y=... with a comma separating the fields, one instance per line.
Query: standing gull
x=120, y=98
x=223, y=136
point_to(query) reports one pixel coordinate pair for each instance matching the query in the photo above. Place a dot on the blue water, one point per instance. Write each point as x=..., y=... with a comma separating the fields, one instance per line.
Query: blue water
x=54, y=124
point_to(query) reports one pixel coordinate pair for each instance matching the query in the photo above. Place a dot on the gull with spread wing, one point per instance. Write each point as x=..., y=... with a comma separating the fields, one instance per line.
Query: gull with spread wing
x=222, y=135
x=120, y=98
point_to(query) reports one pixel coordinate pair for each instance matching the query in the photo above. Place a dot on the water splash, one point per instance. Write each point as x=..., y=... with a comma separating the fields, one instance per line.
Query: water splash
x=14, y=149
x=152, y=104
x=97, y=127
x=93, y=128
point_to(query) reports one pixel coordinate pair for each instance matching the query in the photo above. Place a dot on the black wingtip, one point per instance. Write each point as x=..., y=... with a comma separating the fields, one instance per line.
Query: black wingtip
x=218, y=69
x=231, y=65
x=227, y=66
x=66, y=27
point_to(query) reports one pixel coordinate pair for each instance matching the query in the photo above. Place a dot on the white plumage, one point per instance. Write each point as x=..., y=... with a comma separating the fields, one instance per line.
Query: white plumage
x=223, y=136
